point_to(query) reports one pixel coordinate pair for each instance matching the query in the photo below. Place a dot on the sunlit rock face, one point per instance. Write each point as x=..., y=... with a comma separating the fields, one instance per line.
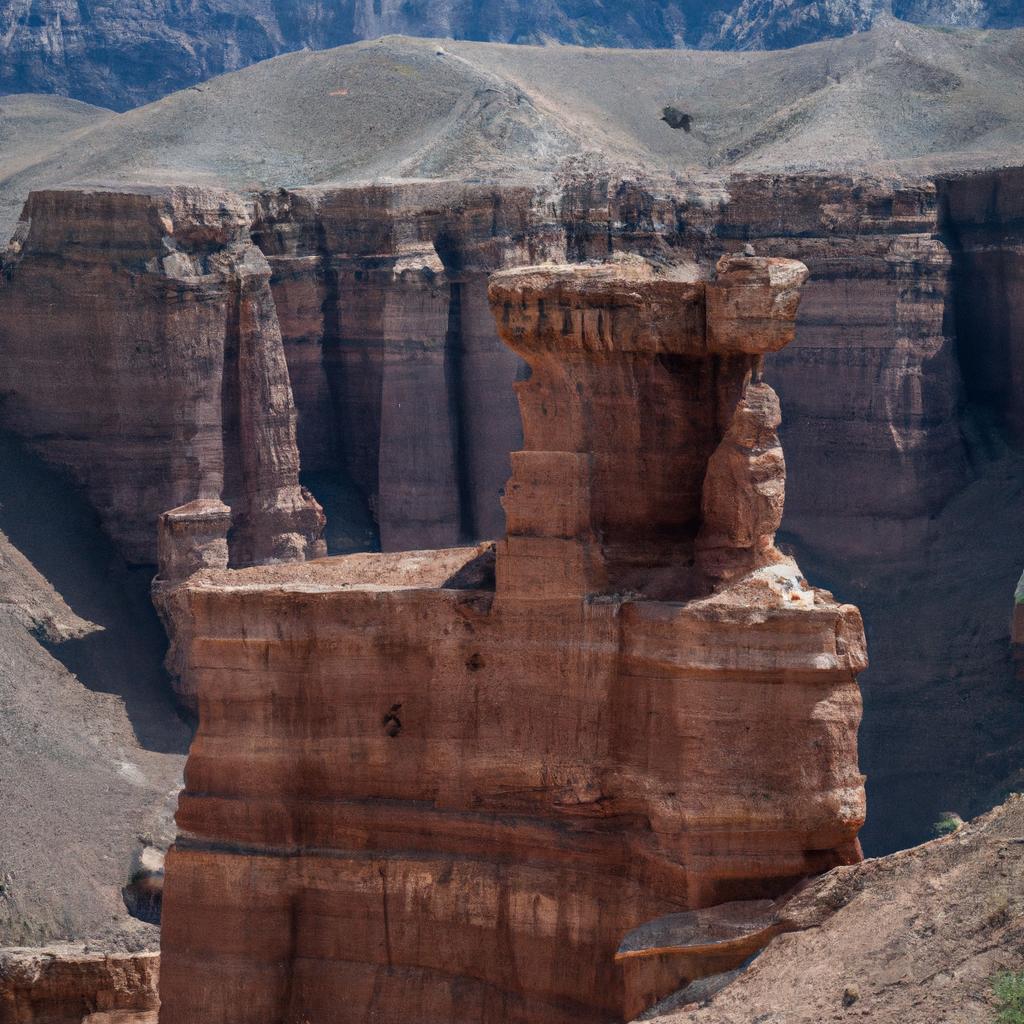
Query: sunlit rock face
x=405, y=412
x=444, y=785
x=69, y=983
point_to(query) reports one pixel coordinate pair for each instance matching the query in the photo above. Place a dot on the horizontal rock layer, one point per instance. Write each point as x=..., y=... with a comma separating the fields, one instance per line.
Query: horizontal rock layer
x=69, y=983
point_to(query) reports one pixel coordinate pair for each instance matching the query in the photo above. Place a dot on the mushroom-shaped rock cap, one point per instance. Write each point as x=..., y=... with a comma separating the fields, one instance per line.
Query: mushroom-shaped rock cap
x=624, y=305
x=629, y=304
x=752, y=304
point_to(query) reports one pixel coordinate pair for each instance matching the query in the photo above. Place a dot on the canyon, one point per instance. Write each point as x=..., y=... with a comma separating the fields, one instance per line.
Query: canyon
x=500, y=761
x=899, y=425
x=263, y=304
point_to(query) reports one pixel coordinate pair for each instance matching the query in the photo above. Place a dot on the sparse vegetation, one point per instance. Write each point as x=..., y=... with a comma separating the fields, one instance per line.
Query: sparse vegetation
x=948, y=824
x=1009, y=992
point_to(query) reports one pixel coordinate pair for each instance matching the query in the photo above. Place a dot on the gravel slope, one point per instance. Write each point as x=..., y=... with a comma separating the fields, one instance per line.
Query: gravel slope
x=913, y=938
x=91, y=749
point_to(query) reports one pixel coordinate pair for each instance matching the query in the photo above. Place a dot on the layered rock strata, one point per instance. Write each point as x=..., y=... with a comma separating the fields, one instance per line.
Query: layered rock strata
x=872, y=379
x=398, y=376
x=445, y=785
x=69, y=984
x=400, y=380
x=405, y=417
x=143, y=356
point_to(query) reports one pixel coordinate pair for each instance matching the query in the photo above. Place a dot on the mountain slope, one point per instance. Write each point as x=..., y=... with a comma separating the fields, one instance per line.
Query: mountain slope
x=407, y=108
x=124, y=54
x=913, y=938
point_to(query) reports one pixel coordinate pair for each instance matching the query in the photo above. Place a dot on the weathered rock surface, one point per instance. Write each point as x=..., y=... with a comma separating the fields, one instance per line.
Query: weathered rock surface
x=162, y=378
x=71, y=984
x=479, y=791
x=405, y=418
x=400, y=381
x=912, y=938
x=893, y=460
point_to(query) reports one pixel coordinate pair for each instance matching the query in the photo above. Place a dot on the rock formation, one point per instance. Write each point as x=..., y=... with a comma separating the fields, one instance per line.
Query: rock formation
x=161, y=378
x=71, y=984
x=449, y=783
x=400, y=381
x=405, y=415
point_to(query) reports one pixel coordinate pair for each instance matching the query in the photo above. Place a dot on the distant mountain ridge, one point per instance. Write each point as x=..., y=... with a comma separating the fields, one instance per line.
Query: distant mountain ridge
x=120, y=55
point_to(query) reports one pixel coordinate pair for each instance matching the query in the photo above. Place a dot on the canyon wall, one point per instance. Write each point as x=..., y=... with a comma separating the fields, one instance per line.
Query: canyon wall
x=898, y=397
x=984, y=217
x=143, y=356
x=401, y=384
x=398, y=377
x=872, y=377
x=447, y=784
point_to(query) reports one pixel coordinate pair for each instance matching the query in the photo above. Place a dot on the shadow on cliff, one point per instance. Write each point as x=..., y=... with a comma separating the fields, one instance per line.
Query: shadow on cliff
x=55, y=529
x=350, y=524
x=941, y=693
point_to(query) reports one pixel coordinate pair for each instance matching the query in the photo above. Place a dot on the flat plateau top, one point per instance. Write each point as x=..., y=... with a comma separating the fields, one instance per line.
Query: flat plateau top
x=624, y=272
x=402, y=570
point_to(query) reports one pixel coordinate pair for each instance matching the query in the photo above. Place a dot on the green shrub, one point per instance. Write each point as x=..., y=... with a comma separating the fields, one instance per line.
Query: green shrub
x=948, y=824
x=1009, y=992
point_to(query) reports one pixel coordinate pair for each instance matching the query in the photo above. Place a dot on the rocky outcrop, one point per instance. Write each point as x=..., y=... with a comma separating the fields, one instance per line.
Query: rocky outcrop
x=162, y=378
x=872, y=381
x=398, y=374
x=423, y=785
x=889, y=470
x=71, y=984
x=405, y=415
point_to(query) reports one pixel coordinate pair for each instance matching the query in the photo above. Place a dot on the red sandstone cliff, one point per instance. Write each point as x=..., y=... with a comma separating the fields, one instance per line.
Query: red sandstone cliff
x=405, y=417
x=70, y=984
x=400, y=381
x=418, y=791
x=143, y=356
